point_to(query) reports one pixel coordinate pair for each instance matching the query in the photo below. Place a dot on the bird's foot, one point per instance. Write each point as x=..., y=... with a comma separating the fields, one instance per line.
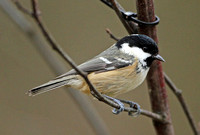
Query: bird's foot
x=120, y=102
x=133, y=105
x=121, y=105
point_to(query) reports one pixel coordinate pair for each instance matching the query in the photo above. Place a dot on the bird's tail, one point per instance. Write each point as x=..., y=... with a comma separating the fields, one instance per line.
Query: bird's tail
x=51, y=85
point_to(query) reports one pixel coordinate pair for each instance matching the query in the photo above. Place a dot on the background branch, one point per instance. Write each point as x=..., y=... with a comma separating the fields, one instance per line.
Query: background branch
x=111, y=35
x=131, y=27
x=179, y=96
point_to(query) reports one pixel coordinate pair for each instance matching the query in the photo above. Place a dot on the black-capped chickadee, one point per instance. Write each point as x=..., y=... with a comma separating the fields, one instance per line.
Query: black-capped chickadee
x=117, y=70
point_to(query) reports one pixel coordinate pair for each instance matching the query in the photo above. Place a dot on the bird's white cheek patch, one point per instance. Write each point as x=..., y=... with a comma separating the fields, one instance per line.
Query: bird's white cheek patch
x=127, y=49
x=135, y=51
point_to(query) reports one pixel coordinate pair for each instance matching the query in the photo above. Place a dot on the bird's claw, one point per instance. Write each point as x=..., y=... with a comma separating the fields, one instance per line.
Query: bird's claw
x=134, y=106
x=121, y=105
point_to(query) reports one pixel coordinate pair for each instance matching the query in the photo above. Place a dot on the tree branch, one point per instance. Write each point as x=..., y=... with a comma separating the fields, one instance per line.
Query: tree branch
x=131, y=27
x=111, y=35
x=155, y=77
x=21, y=8
x=179, y=96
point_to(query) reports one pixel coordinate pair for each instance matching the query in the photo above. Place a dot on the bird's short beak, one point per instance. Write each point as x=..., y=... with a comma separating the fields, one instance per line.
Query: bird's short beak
x=158, y=57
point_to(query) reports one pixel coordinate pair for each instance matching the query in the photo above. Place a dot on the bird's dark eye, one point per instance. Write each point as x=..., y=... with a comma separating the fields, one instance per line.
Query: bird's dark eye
x=144, y=49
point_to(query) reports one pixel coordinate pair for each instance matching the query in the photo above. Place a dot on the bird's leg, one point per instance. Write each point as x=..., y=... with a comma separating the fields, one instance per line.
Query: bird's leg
x=121, y=105
x=120, y=102
x=133, y=105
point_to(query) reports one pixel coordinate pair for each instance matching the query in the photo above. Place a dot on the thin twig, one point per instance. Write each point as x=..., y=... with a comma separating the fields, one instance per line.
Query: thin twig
x=131, y=27
x=179, y=96
x=117, y=7
x=111, y=35
x=20, y=7
x=94, y=92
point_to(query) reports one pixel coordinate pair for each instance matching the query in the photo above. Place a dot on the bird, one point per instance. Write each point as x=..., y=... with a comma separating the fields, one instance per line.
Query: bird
x=117, y=70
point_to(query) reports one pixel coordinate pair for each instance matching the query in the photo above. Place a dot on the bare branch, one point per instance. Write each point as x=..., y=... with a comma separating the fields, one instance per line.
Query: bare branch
x=111, y=35
x=20, y=7
x=179, y=96
x=155, y=116
x=116, y=7
x=131, y=27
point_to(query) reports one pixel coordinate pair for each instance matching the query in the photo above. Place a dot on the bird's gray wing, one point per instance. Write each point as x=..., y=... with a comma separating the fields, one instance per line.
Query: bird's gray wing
x=97, y=65
x=110, y=59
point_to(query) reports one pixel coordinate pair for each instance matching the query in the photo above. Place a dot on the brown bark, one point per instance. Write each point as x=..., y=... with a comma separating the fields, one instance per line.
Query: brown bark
x=155, y=78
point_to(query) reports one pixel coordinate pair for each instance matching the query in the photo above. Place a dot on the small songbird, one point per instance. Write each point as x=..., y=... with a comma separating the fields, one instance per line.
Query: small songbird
x=117, y=70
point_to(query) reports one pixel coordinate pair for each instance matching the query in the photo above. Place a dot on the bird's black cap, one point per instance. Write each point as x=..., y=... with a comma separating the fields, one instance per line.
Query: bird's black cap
x=144, y=42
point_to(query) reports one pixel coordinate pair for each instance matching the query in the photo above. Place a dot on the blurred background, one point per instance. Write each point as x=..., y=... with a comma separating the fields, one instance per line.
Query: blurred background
x=79, y=27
